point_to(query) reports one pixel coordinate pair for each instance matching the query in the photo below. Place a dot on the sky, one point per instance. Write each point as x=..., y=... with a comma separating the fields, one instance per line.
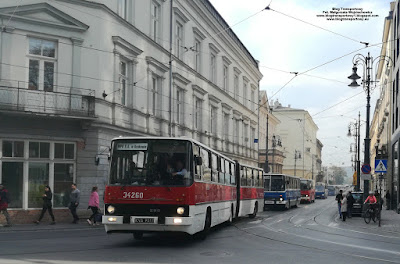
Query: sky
x=291, y=38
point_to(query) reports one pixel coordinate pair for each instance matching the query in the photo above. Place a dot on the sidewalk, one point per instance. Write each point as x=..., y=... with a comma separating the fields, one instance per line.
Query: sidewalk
x=390, y=222
x=82, y=225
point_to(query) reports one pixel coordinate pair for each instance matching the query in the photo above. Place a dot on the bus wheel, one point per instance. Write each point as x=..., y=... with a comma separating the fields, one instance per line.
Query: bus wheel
x=138, y=235
x=254, y=214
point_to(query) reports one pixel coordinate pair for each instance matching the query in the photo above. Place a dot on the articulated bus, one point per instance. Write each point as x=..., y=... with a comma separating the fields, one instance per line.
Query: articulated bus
x=321, y=191
x=176, y=184
x=281, y=191
x=307, y=191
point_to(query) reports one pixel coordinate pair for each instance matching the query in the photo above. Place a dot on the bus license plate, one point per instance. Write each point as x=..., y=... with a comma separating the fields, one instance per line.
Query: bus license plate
x=144, y=220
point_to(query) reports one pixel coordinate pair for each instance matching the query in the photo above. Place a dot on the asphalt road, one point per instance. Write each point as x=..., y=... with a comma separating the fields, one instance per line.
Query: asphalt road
x=309, y=234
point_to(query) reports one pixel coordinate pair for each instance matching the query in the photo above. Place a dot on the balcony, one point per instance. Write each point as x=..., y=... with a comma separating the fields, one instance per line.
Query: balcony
x=63, y=101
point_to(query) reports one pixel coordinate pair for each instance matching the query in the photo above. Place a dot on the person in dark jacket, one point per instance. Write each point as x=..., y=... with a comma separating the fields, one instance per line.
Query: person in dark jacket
x=387, y=196
x=4, y=201
x=350, y=202
x=74, y=199
x=47, y=196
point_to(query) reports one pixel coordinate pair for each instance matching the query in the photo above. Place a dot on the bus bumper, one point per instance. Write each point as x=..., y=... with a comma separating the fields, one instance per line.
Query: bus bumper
x=274, y=203
x=114, y=224
x=306, y=199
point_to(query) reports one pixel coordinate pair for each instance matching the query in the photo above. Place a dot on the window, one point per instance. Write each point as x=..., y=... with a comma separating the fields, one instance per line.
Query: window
x=252, y=99
x=38, y=179
x=13, y=149
x=226, y=78
x=42, y=58
x=156, y=83
x=39, y=150
x=12, y=177
x=63, y=179
x=213, y=120
x=122, y=8
x=226, y=126
x=179, y=39
x=155, y=20
x=236, y=86
x=213, y=61
x=64, y=151
x=205, y=155
x=123, y=80
x=244, y=93
x=197, y=57
x=179, y=106
x=214, y=164
x=197, y=113
x=253, y=135
x=197, y=168
x=246, y=134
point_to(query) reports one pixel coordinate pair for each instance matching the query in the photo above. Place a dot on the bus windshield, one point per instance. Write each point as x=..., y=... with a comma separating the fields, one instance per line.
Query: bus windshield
x=151, y=163
x=277, y=183
x=320, y=188
x=305, y=185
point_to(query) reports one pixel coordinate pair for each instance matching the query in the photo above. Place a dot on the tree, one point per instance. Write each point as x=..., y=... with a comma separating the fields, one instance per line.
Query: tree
x=338, y=175
x=320, y=177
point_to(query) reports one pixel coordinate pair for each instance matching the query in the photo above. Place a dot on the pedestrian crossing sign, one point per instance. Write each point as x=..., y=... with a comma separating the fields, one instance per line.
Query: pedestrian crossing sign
x=381, y=165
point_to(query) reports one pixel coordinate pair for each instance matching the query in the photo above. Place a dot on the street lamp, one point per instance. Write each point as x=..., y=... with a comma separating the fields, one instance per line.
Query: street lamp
x=354, y=130
x=367, y=63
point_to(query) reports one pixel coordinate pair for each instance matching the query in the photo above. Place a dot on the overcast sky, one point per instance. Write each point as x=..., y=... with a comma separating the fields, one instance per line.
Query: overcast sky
x=283, y=43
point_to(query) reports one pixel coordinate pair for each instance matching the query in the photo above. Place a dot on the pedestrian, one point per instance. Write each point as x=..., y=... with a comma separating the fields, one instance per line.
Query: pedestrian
x=350, y=202
x=344, y=208
x=339, y=198
x=74, y=198
x=387, y=196
x=93, y=205
x=4, y=201
x=47, y=196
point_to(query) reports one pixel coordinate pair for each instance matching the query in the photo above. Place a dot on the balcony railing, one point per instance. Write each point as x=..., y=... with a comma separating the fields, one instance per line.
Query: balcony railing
x=62, y=101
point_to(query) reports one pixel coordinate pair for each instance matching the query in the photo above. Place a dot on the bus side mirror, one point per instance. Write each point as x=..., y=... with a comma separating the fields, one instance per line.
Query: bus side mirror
x=198, y=160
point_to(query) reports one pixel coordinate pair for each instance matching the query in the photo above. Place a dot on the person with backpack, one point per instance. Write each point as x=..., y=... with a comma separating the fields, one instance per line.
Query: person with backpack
x=94, y=206
x=4, y=201
x=47, y=196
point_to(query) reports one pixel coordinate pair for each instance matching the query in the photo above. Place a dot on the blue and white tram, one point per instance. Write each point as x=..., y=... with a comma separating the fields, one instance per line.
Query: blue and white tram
x=281, y=190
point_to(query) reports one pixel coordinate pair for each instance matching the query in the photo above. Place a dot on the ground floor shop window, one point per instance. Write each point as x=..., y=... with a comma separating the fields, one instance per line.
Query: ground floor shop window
x=63, y=179
x=12, y=178
x=38, y=179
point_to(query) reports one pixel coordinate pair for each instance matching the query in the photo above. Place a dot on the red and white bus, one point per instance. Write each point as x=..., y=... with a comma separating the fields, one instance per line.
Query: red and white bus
x=176, y=184
x=307, y=191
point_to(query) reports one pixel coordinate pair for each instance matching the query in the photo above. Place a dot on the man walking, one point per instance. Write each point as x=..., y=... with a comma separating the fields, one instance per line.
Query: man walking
x=350, y=202
x=74, y=198
x=387, y=196
x=339, y=198
x=4, y=201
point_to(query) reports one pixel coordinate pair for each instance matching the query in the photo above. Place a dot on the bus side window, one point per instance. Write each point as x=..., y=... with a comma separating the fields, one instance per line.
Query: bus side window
x=255, y=177
x=197, y=168
x=232, y=172
x=260, y=179
x=243, y=176
x=214, y=168
x=227, y=173
x=221, y=170
x=205, y=155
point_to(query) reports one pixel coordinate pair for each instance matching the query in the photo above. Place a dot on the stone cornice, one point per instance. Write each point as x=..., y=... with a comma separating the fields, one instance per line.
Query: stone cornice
x=198, y=33
x=178, y=13
x=152, y=61
x=200, y=91
x=179, y=78
x=118, y=41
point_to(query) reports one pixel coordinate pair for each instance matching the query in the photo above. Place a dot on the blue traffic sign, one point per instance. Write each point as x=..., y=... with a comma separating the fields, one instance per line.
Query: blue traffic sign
x=366, y=169
x=380, y=165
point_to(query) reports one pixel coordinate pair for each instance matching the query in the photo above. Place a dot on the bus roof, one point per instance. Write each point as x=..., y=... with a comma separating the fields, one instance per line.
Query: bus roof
x=280, y=174
x=180, y=139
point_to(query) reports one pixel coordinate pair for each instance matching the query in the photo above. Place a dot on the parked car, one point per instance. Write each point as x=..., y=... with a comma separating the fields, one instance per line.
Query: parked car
x=358, y=203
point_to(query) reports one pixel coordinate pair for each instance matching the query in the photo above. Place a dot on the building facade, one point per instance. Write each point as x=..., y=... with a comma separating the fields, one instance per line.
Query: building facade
x=275, y=145
x=299, y=134
x=75, y=74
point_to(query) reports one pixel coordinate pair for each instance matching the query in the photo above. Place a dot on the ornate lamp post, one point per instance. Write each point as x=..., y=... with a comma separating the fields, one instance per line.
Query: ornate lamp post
x=366, y=63
x=354, y=130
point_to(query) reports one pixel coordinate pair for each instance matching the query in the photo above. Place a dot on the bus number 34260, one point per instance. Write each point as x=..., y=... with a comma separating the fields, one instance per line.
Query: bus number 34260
x=132, y=195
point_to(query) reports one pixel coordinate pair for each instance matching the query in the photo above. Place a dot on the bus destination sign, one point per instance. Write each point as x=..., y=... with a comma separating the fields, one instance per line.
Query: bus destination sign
x=132, y=146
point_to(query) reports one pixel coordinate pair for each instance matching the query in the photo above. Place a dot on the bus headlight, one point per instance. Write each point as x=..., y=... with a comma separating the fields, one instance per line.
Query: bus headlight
x=180, y=210
x=110, y=209
x=281, y=199
x=306, y=195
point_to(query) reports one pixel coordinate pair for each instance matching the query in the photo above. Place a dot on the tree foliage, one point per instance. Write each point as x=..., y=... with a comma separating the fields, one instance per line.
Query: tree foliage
x=338, y=175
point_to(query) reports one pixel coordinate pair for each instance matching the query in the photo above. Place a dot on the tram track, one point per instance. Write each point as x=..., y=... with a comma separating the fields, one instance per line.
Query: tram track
x=314, y=218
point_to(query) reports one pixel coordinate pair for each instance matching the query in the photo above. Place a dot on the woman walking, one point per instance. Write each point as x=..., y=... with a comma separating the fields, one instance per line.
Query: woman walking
x=93, y=205
x=47, y=196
